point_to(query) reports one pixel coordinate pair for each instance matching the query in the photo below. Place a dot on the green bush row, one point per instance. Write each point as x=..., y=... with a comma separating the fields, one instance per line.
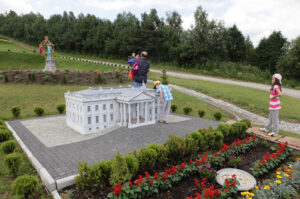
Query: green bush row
x=39, y=111
x=121, y=169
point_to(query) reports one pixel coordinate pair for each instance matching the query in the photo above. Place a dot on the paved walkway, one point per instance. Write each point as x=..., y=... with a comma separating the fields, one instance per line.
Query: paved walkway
x=62, y=161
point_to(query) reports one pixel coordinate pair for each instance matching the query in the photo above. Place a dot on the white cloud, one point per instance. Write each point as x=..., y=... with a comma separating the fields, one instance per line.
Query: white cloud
x=19, y=6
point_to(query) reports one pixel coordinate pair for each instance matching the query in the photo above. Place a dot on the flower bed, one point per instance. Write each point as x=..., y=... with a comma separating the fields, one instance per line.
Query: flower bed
x=161, y=181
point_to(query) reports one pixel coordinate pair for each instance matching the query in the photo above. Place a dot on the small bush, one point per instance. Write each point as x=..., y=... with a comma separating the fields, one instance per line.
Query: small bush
x=16, y=111
x=39, y=111
x=132, y=163
x=201, y=113
x=207, y=173
x=265, y=144
x=187, y=110
x=226, y=130
x=219, y=138
x=9, y=146
x=218, y=116
x=209, y=138
x=173, y=108
x=5, y=78
x=46, y=78
x=121, y=79
x=12, y=162
x=97, y=79
x=162, y=152
x=31, y=76
x=64, y=79
x=192, y=146
x=61, y=108
x=26, y=186
x=200, y=140
x=4, y=135
x=235, y=162
x=147, y=157
x=2, y=122
x=247, y=122
x=177, y=147
x=119, y=171
x=239, y=129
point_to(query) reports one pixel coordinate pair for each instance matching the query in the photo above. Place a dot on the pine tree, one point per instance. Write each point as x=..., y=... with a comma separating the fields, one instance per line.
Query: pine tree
x=164, y=77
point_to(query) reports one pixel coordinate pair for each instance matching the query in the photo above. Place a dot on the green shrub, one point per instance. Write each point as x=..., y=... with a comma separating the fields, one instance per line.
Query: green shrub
x=132, y=163
x=226, y=130
x=83, y=179
x=31, y=76
x=119, y=170
x=210, y=175
x=61, y=108
x=247, y=122
x=201, y=113
x=218, y=116
x=265, y=144
x=192, y=146
x=2, y=123
x=200, y=140
x=209, y=137
x=235, y=162
x=187, y=110
x=121, y=78
x=177, y=147
x=9, y=146
x=147, y=157
x=39, y=111
x=164, y=77
x=4, y=135
x=26, y=186
x=162, y=152
x=97, y=79
x=46, y=78
x=239, y=129
x=5, y=78
x=12, y=162
x=64, y=79
x=173, y=108
x=16, y=111
x=219, y=139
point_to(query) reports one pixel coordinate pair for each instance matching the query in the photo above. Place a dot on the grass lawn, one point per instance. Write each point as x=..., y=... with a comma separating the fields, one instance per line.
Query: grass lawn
x=7, y=46
x=253, y=100
x=6, y=179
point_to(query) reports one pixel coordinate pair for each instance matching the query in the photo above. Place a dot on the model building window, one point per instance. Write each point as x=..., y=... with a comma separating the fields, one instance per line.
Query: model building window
x=89, y=108
x=104, y=118
x=89, y=120
x=96, y=107
x=111, y=106
x=111, y=117
x=97, y=119
x=104, y=106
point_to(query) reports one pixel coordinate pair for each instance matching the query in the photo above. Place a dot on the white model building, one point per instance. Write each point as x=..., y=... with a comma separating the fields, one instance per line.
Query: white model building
x=95, y=109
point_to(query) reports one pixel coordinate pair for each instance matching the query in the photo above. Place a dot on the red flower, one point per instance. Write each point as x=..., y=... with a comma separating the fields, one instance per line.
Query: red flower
x=198, y=195
x=233, y=183
x=263, y=162
x=226, y=190
x=217, y=155
x=189, y=197
x=156, y=176
x=257, y=167
x=118, y=189
x=233, y=176
x=254, y=137
x=198, y=162
x=191, y=161
x=197, y=183
x=173, y=170
x=130, y=183
x=147, y=175
x=217, y=192
x=151, y=182
x=183, y=165
x=286, y=143
x=98, y=73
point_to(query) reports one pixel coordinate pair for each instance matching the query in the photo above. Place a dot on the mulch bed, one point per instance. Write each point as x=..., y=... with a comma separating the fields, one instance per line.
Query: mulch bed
x=187, y=186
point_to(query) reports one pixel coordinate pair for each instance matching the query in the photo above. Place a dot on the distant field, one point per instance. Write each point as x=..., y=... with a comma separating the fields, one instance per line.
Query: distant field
x=253, y=100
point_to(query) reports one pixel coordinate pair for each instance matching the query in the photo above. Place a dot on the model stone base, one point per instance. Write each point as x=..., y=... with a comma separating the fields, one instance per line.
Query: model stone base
x=50, y=65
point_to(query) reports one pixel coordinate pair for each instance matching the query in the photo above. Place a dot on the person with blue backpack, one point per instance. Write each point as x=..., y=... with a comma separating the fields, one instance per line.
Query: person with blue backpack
x=140, y=70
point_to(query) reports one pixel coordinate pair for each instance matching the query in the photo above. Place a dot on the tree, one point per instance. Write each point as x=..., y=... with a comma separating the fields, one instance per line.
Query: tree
x=164, y=78
x=236, y=45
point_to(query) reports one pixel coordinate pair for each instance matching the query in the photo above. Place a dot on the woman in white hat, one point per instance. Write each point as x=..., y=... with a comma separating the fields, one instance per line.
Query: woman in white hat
x=274, y=106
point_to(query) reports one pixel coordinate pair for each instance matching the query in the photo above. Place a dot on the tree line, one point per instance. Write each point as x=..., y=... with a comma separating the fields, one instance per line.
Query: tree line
x=164, y=38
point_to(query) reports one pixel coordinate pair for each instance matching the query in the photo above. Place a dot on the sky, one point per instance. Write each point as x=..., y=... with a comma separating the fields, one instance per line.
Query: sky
x=255, y=18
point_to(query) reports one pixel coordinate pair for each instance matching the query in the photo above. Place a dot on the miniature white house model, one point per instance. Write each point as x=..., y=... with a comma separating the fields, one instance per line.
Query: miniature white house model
x=95, y=109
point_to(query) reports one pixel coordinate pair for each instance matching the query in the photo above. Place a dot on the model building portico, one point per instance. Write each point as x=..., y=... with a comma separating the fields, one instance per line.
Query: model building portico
x=95, y=109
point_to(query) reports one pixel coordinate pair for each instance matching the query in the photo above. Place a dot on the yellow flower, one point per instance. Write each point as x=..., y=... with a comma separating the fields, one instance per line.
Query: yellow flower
x=278, y=181
x=256, y=187
x=286, y=175
x=252, y=194
x=278, y=172
x=278, y=177
x=243, y=193
x=267, y=187
x=247, y=189
x=249, y=198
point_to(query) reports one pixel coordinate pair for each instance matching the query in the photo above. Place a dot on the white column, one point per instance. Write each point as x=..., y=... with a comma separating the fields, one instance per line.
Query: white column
x=138, y=113
x=146, y=112
x=153, y=111
x=121, y=114
x=124, y=113
x=129, y=115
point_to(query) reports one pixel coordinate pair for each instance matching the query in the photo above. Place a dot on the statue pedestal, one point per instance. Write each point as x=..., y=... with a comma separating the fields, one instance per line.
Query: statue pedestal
x=50, y=65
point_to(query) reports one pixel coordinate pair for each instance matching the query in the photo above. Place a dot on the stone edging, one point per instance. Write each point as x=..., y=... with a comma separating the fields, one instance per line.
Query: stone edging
x=46, y=178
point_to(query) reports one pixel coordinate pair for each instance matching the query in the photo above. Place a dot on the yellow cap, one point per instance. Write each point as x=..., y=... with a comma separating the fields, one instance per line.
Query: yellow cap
x=156, y=82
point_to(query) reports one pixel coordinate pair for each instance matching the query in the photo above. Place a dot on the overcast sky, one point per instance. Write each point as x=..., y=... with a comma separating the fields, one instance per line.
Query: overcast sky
x=256, y=18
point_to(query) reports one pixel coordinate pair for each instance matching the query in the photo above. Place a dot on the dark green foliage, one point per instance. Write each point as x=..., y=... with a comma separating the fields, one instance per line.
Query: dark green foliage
x=209, y=137
x=119, y=171
x=46, y=78
x=162, y=152
x=226, y=130
x=173, y=108
x=26, y=187
x=5, y=78
x=132, y=163
x=177, y=147
x=265, y=144
x=247, y=122
x=200, y=140
x=239, y=129
x=235, y=162
x=5, y=134
x=64, y=79
x=12, y=162
x=201, y=113
x=209, y=174
x=39, y=111
x=147, y=157
x=164, y=78
x=9, y=146
x=2, y=123
x=187, y=110
x=192, y=145
x=219, y=138
x=121, y=78
x=61, y=108
x=16, y=111
x=218, y=116
x=97, y=79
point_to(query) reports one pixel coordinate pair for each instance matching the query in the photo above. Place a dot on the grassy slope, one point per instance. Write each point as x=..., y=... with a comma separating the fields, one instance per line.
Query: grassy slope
x=251, y=99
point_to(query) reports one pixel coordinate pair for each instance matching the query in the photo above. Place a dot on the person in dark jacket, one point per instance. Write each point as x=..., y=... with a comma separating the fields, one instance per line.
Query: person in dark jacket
x=141, y=77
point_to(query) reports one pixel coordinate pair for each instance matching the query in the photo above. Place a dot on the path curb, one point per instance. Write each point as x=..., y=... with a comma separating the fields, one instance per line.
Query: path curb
x=46, y=178
x=65, y=182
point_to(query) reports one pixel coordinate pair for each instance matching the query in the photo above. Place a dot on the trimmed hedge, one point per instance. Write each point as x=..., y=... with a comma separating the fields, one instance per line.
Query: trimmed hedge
x=16, y=111
x=26, y=186
x=39, y=111
x=61, y=108
x=9, y=146
x=5, y=135
x=12, y=162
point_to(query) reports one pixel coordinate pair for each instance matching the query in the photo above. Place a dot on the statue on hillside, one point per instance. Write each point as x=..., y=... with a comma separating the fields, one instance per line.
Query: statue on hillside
x=50, y=65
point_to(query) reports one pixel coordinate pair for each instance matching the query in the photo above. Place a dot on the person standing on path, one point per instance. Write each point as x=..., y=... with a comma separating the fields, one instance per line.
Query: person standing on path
x=140, y=79
x=166, y=97
x=275, y=93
